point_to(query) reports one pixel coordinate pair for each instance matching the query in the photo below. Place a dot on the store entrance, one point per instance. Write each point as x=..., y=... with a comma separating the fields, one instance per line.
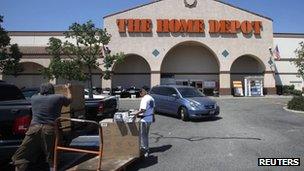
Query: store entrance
x=196, y=84
x=191, y=64
x=209, y=88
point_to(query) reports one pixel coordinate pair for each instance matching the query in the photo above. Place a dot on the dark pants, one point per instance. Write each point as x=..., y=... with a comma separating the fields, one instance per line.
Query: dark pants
x=39, y=140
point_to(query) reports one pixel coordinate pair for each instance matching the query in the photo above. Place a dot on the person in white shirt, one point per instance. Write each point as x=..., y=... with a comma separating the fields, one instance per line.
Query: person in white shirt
x=146, y=113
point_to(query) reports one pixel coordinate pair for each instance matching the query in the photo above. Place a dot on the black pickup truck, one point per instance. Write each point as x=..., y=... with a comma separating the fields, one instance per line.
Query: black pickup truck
x=15, y=116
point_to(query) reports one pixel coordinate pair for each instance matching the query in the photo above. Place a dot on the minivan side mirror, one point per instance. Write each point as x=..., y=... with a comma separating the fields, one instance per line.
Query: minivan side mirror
x=175, y=95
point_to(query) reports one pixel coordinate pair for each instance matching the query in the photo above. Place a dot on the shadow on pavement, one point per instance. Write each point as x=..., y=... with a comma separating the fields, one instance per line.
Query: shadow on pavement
x=167, y=115
x=143, y=163
x=160, y=149
x=216, y=118
x=149, y=161
x=207, y=119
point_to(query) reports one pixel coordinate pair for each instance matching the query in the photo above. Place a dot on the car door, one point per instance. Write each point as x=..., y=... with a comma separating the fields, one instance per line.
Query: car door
x=166, y=100
x=155, y=93
x=172, y=101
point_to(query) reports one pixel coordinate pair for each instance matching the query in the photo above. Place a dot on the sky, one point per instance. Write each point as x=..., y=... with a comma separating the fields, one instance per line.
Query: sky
x=57, y=15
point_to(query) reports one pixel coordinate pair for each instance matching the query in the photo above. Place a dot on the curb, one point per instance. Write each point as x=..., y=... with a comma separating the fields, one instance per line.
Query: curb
x=252, y=97
x=293, y=111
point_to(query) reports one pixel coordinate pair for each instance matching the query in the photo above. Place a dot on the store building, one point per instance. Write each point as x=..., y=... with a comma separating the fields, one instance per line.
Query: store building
x=203, y=43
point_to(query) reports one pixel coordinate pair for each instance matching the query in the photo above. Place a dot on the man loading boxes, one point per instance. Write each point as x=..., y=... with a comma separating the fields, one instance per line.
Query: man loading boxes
x=46, y=108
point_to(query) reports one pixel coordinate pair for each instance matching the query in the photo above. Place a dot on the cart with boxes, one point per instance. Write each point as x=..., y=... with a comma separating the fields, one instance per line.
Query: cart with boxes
x=119, y=143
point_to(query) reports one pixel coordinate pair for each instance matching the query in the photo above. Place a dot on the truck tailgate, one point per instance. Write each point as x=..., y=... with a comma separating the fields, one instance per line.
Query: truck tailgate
x=9, y=111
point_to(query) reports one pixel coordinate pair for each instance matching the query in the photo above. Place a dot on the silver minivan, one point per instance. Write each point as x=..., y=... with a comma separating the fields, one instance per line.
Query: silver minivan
x=183, y=101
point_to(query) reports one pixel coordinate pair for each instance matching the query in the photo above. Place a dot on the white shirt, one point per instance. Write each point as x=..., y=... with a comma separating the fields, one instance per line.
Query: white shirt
x=147, y=103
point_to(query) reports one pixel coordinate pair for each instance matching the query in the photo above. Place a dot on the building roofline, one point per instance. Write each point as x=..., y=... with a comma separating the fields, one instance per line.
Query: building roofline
x=36, y=33
x=142, y=5
x=242, y=9
x=61, y=33
x=130, y=9
x=288, y=35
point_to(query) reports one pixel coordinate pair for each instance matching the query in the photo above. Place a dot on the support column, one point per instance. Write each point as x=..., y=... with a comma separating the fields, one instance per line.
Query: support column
x=225, y=82
x=155, y=78
x=106, y=83
x=269, y=82
x=1, y=76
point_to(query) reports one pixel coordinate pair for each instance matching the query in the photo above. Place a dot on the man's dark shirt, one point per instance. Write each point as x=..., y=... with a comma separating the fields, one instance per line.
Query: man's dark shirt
x=47, y=108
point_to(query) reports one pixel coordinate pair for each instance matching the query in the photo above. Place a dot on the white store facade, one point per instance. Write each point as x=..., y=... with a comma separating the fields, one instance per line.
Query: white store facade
x=203, y=43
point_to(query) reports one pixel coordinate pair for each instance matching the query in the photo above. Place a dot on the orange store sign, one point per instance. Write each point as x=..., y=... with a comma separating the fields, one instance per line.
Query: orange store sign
x=189, y=26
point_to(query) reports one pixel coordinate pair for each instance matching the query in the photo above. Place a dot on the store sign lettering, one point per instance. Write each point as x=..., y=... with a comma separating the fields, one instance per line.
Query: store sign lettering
x=180, y=26
x=234, y=26
x=189, y=26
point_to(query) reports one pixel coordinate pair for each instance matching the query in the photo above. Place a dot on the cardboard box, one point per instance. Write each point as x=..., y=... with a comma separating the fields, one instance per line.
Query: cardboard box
x=120, y=139
x=120, y=146
x=77, y=107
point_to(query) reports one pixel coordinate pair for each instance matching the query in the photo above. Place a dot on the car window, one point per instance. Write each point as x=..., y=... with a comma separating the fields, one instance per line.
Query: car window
x=86, y=93
x=155, y=90
x=95, y=92
x=190, y=92
x=10, y=92
x=171, y=91
x=29, y=93
x=165, y=91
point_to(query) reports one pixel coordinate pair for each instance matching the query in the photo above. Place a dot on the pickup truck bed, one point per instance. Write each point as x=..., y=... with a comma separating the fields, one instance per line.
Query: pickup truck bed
x=15, y=116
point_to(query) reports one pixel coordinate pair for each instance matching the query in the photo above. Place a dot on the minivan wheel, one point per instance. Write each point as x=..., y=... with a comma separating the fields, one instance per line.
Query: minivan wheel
x=183, y=113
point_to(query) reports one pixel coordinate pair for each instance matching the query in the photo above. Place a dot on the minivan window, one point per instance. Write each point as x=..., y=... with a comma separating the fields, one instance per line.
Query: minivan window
x=162, y=91
x=155, y=90
x=165, y=91
x=171, y=91
x=188, y=92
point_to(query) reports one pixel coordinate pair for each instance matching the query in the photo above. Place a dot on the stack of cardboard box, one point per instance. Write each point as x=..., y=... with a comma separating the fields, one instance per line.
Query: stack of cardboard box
x=77, y=107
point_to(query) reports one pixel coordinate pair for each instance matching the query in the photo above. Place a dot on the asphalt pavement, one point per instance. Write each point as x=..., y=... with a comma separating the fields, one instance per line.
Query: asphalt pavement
x=246, y=129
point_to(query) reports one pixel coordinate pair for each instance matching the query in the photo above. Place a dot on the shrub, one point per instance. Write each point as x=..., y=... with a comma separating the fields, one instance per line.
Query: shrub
x=287, y=89
x=296, y=92
x=296, y=103
x=290, y=90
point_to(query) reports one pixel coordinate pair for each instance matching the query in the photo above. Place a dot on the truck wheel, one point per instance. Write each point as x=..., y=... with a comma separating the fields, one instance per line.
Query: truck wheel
x=183, y=113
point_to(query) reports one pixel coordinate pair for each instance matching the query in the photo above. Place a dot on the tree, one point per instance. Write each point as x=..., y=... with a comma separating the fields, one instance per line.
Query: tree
x=60, y=67
x=84, y=45
x=10, y=55
x=299, y=60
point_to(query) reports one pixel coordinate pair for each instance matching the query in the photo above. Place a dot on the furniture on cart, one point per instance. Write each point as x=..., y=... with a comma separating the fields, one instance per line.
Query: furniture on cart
x=118, y=145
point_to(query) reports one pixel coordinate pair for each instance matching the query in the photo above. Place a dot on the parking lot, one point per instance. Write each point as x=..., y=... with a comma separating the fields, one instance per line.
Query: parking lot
x=247, y=129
